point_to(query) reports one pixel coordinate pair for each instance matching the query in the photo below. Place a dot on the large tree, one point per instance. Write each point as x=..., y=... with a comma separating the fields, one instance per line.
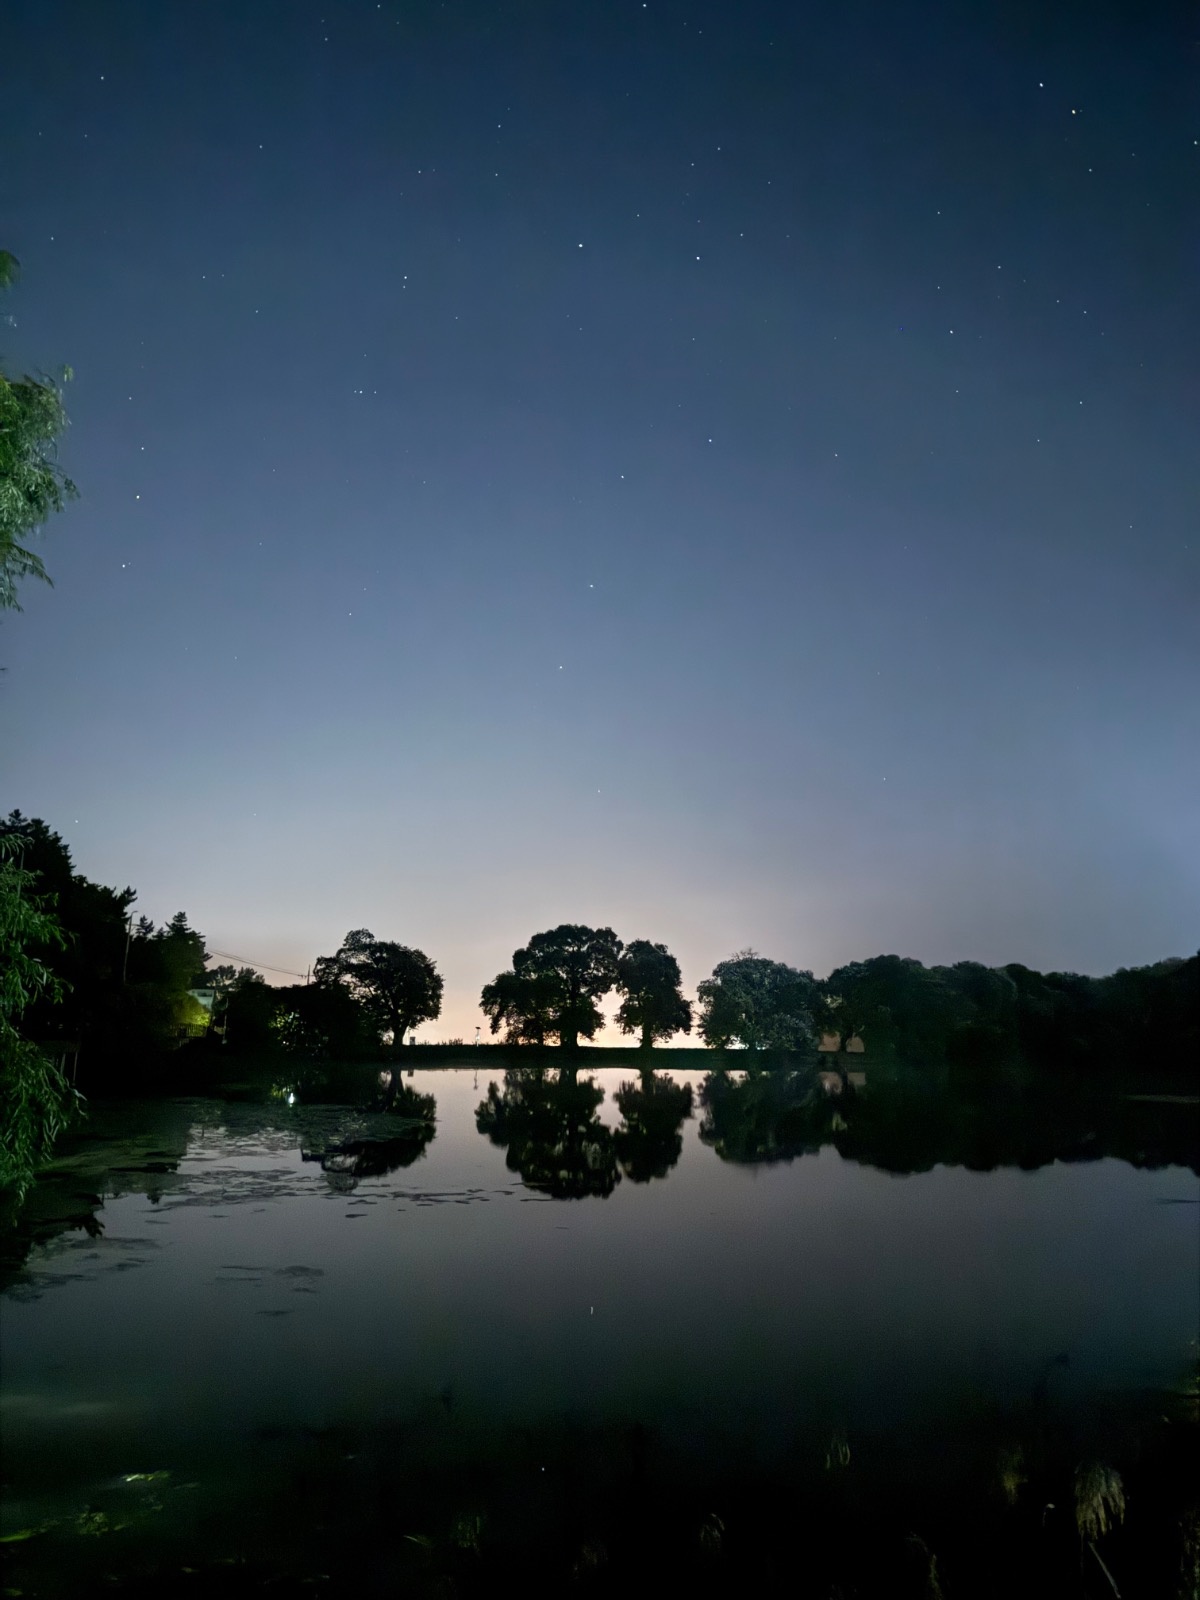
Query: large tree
x=523, y=1004
x=318, y=1021
x=897, y=1006
x=648, y=976
x=162, y=967
x=36, y=1101
x=759, y=1004
x=399, y=987
x=554, y=983
x=87, y=962
x=32, y=485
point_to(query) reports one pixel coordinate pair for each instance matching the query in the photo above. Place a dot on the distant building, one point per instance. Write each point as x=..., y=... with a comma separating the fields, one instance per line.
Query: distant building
x=204, y=997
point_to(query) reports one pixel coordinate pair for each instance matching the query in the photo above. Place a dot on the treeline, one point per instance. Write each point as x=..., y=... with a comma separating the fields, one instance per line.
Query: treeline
x=125, y=991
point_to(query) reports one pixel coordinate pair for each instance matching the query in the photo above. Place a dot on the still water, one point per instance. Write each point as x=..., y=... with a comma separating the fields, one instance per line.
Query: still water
x=250, y=1335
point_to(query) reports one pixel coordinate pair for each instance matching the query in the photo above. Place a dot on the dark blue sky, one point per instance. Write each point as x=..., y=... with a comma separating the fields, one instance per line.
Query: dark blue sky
x=726, y=471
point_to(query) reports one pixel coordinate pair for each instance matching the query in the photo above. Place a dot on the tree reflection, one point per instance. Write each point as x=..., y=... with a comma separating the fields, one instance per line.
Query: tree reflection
x=649, y=1141
x=768, y=1116
x=908, y=1122
x=410, y=1128
x=547, y=1123
x=102, y=1159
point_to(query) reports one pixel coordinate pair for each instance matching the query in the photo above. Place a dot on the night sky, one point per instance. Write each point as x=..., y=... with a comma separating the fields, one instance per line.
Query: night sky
x=724, y=471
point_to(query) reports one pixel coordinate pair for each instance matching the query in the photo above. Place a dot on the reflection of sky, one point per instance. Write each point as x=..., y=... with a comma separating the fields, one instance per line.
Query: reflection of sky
x=435, y=575
x=811, y=1292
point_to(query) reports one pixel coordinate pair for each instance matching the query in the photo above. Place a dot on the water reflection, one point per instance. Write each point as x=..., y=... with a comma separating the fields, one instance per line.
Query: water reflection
x=547, y=1122
x=710, y=1380
x=650, y=1139
x=906, y=1123
x=113, y=1154
x=765, y=1116
x=388, y=1146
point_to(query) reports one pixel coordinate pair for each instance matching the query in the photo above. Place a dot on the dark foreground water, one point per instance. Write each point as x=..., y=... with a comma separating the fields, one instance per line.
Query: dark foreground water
x=568, y=1337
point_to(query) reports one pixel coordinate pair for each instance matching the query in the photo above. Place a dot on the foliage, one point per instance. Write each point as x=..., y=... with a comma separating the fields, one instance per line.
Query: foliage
x=759, y=1004
x=87, y=961
x=32, y=485
x=36, y=1101
x=1099, y=1499
x=553, y=985
x=648, y=976
x=319, y=1021
x=896, y=1005
x=225, y=979
x=162, y=966
x=972, y=1015
x=523, y=1004
x=399, y=987
x=244, y=1011
x=174, y=957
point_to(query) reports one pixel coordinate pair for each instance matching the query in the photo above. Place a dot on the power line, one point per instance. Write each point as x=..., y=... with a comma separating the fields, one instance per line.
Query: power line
x=259, y=966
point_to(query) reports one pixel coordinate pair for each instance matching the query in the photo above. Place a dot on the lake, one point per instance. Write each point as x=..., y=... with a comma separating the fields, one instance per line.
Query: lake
x=563, y=1333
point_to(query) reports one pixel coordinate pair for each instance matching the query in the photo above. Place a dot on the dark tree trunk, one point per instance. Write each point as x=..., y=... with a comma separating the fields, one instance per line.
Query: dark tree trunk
x=568, y=1038
x=647, y=1036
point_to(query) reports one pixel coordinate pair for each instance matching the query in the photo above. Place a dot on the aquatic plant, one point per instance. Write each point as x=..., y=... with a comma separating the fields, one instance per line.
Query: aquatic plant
x=712, y=1534
x=1099, y=1499
x=1010, y=1472
x=931, y=1582
x=1189, y=1555
x=838, y=1453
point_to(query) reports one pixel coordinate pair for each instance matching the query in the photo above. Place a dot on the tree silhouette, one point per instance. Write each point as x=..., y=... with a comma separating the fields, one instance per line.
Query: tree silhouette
x=548, y=1126
x=553, y=985
x=88, y=961
x=318, y=1021
x=648, y=976
x=524, y=1004
x=399, y=987
x=760, y=1005
x=649, y=1141
x=897, y=1006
